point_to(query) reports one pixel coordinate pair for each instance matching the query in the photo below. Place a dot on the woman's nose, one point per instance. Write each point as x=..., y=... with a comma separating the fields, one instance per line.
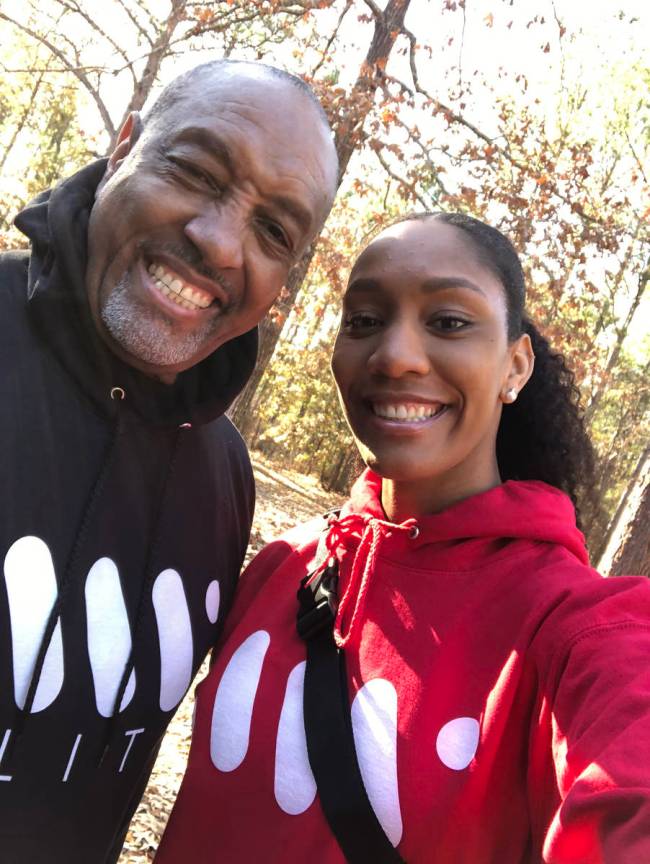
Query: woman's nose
x=401, y=351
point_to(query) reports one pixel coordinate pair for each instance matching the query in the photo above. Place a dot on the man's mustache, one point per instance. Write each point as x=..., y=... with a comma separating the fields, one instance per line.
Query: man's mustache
x=189, y=255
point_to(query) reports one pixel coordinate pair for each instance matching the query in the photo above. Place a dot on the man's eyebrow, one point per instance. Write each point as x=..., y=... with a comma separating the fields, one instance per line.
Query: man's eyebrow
x=301, y=215
x=212, y=144
x=208, y=141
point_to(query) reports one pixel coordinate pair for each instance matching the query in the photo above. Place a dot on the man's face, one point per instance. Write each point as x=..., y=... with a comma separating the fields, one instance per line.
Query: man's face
x=193, y=233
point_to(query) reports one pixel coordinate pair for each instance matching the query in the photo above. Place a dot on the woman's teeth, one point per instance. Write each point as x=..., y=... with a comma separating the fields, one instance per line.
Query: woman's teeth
x=411, y=413
x=171, y=285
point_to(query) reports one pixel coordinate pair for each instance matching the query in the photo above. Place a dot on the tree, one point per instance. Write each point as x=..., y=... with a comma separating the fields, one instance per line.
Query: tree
x=130, y=43
x=628, y=550
x=564, y=172
x=348, y=114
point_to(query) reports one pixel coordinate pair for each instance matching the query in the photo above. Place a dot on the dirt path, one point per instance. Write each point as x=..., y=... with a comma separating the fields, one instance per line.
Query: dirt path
x=284, y=499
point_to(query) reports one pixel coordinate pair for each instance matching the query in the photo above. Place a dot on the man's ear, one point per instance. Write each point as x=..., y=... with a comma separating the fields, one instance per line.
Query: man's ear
x=522, y=362
x=128, y=135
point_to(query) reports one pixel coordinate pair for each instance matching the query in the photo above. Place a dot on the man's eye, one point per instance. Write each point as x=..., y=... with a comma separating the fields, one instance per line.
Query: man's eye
x=276, y=233
x=196, y=174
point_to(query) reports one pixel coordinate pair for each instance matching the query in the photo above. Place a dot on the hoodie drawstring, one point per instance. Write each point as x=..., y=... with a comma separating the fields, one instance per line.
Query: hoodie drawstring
x=363, y=564
x=95, y=494
x=145, y=596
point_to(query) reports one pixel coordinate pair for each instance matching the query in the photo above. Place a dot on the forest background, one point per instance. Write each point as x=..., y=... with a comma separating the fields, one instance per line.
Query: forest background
x=533, y=116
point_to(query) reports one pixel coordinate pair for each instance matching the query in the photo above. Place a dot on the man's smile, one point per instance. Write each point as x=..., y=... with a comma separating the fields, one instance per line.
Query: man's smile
x=181, y=292
x=178, y=289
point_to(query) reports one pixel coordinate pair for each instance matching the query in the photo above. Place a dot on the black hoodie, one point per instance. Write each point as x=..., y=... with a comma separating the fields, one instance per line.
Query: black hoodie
x=124, y=517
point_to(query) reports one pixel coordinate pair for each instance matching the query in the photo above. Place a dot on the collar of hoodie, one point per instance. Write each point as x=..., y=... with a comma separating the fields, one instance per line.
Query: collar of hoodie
x=365, y=535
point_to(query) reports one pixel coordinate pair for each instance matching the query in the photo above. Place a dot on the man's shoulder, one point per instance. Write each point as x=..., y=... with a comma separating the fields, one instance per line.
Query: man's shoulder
x=13, y=290
x=14, y=265
x=227, y=448
x=222, y=430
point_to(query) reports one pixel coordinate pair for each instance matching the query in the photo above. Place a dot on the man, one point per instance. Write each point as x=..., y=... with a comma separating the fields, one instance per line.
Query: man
x=127, y=496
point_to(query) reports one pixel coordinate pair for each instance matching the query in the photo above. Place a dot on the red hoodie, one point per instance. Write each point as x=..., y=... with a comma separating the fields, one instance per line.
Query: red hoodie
x=500, y=694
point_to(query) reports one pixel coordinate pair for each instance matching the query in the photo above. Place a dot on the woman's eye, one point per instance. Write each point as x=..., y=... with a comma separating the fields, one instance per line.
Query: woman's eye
x=358, y=321
x=450, y=323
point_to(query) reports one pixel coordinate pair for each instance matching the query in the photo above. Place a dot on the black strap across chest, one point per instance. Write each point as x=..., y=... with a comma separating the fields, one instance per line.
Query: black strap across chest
x=328, y=728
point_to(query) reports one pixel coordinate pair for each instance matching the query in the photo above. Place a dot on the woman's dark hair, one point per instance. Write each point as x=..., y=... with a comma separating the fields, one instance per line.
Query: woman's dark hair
x=541, y=435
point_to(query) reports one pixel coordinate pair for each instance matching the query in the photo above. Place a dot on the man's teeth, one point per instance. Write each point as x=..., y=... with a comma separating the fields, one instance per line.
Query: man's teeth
x=410, y=412
x=172, y=286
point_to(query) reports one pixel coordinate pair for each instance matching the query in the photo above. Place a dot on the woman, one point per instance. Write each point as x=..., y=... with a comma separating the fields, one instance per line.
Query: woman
x=499, y=688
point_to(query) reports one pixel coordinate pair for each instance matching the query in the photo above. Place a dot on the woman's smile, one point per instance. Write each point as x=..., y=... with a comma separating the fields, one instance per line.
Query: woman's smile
x=422, y=358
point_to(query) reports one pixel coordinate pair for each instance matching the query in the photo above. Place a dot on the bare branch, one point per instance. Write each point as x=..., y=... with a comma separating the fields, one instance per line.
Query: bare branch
x=155, y=58
x=376, y=11
x=433, y=168
x=636, y=158
x=402, y=182
x=78, y=73
x=335, y=33
x=50, y=70
x=462, y=46
x=136, y=23
x=22, y=121
x=74, y=7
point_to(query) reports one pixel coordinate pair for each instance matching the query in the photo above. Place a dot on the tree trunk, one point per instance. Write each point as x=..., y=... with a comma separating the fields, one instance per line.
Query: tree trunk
x=599, y=549
x=242, y=411
x=157, y=54
x=633, y=555
x=388, y=25
x=621, y=334
x=628, y=549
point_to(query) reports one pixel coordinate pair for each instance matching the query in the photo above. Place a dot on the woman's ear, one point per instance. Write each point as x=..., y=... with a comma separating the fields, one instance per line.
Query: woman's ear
x=128, y=135
x=522, y=361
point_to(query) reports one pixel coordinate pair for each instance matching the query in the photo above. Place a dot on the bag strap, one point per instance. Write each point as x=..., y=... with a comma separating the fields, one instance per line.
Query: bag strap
x=328, y=728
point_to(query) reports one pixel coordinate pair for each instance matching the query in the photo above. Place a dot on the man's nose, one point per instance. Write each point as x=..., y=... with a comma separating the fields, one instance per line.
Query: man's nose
x=218, y=232
x=402, y=350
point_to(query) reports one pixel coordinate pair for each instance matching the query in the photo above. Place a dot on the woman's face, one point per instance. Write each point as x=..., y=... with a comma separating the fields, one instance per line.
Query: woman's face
x=422, y=359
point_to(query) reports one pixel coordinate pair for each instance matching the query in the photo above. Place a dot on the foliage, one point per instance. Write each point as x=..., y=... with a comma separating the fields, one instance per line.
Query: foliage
x=562, y=167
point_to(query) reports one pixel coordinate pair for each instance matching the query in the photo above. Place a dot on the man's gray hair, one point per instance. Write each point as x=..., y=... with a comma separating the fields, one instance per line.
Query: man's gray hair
x=177, y=88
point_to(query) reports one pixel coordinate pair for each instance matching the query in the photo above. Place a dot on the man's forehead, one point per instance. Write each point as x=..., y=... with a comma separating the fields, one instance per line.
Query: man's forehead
x=247, y=85
x=256, y=124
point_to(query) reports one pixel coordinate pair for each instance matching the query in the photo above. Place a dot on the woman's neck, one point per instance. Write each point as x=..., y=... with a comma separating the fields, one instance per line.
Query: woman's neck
x=405, y=499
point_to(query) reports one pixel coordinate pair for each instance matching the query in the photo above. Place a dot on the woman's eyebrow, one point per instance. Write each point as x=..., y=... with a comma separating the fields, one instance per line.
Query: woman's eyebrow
x=359, y=285
x=435, y=283
x=438, y=283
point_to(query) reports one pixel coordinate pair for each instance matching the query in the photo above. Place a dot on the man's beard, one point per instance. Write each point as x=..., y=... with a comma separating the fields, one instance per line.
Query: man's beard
x=146, y=333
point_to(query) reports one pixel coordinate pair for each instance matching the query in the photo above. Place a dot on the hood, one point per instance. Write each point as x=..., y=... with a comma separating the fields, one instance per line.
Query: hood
x=470, y=535
x=56, y=223
x=515, y=510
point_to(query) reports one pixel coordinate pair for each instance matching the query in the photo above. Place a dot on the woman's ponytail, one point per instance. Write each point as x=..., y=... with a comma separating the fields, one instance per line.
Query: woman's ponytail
x=542, y=435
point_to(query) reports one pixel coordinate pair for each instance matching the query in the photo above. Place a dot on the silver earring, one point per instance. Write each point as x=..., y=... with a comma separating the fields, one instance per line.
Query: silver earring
x=511, y=395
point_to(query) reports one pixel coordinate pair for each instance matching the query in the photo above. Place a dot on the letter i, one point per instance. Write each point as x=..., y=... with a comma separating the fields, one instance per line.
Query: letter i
x=6, y=778
x=73, y=755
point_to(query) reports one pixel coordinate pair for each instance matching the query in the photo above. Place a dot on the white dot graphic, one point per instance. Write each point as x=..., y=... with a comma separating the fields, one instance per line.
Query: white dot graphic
x=109, y=634
x=212, y=600
x=457, y=742
x=374, y=724
x=295, y=787
x=233, y=702
x=174, y=636
x=31, y=593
